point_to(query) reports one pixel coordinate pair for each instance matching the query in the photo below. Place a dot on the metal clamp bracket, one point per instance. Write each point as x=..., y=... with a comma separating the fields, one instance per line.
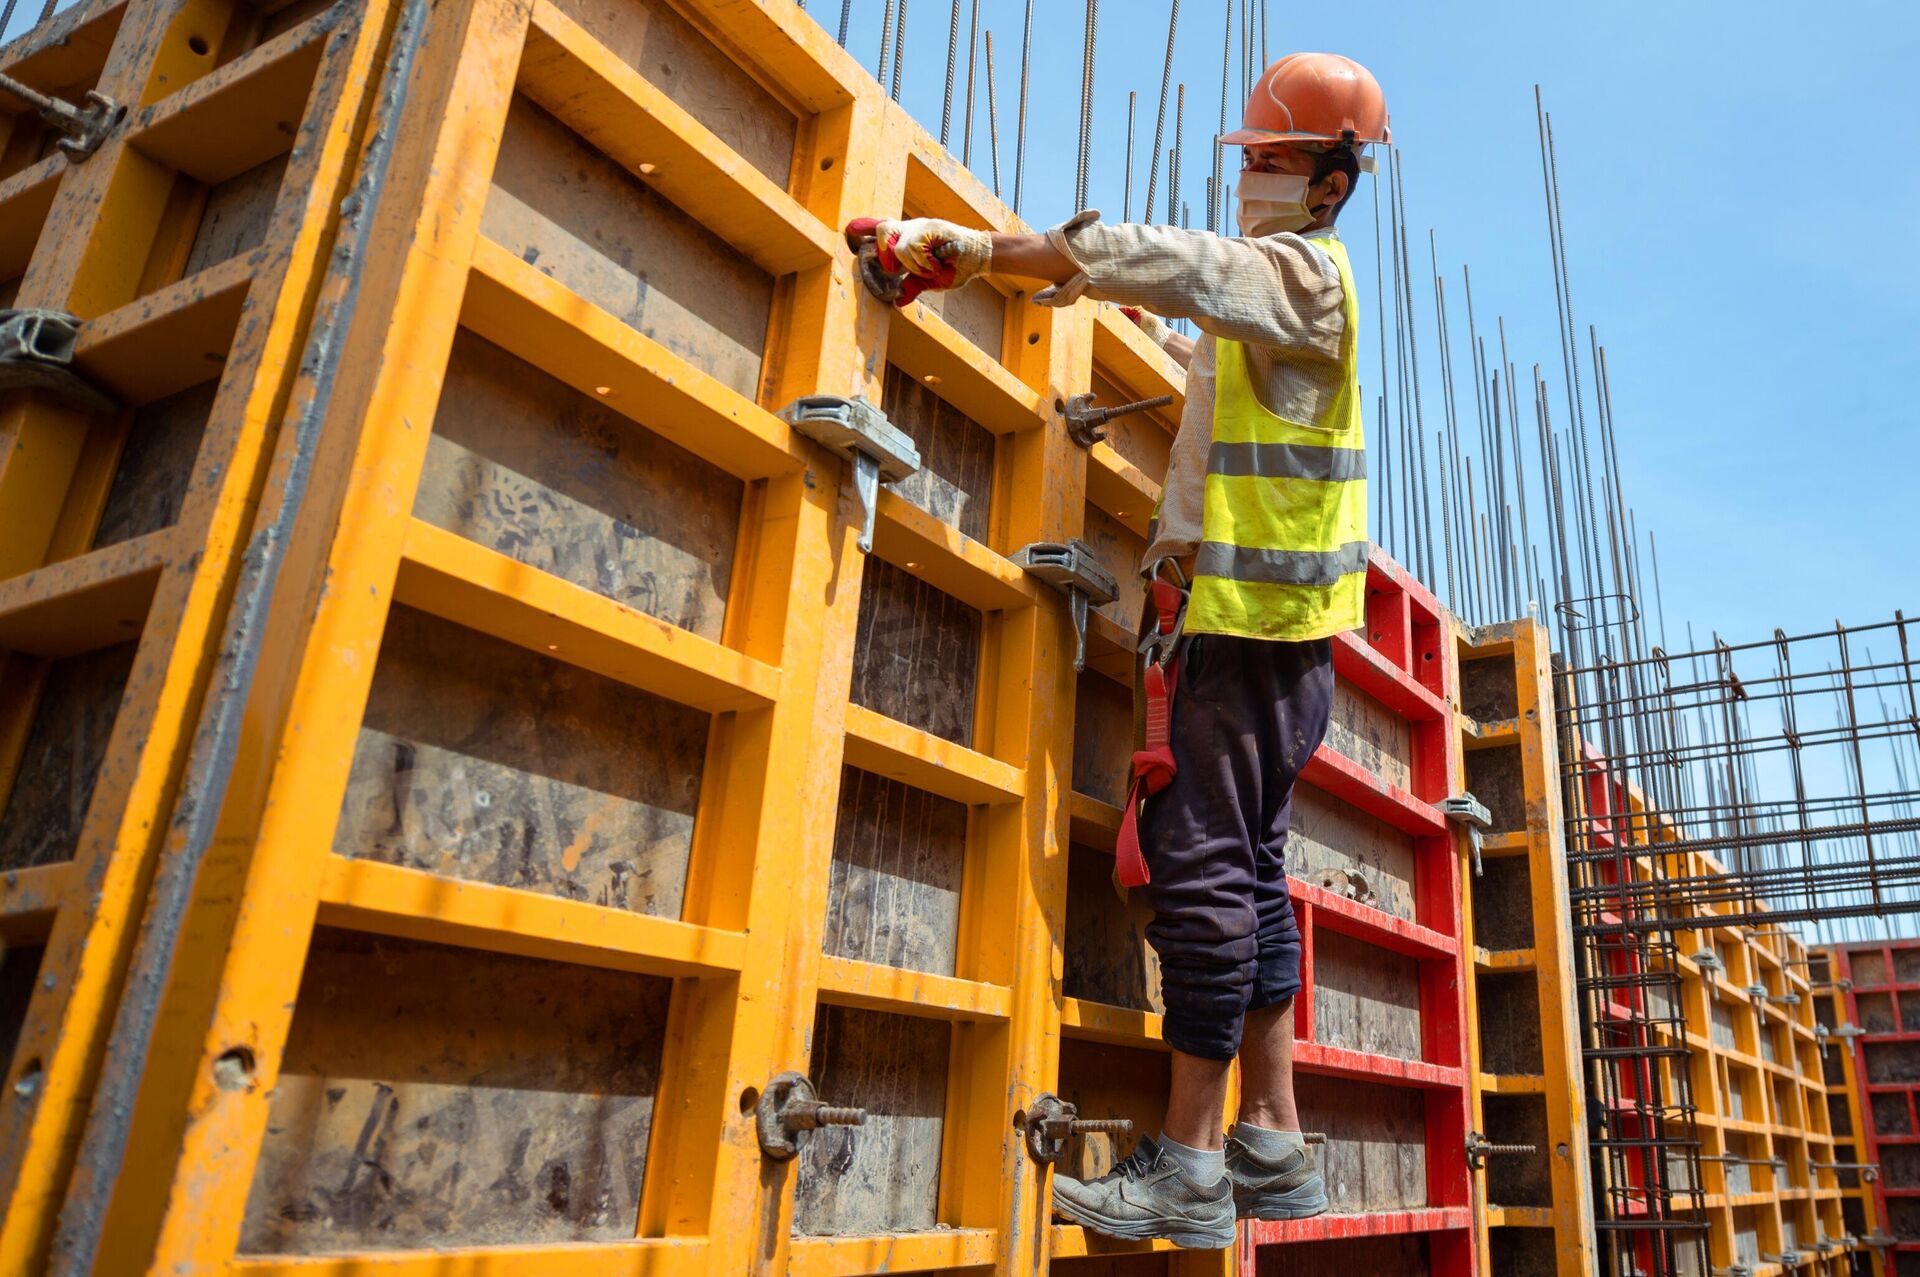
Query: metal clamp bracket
x=1787, y=1260
x=1708, y=960
x=878, y=450
x=82, y=128
x=1050, y=1122
x=788, y=1109
x=1465, y=809
x=1733, y=1270
x=1847, y=1031
x=36, y=353
x=1086, y=422
x=1071, y=567
x=1479, y=1149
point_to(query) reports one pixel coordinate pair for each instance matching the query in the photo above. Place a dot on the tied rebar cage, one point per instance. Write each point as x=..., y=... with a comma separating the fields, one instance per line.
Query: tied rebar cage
x=1761, y=784
x=1780, y=781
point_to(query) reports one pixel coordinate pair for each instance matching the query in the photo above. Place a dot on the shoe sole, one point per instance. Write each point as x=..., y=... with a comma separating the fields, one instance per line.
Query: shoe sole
x=1281, y=1206
x=1141, y=1231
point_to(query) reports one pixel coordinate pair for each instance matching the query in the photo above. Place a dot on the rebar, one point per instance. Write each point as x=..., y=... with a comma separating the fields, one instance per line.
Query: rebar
x=1126, y=184
x=899, y=51
x=1020, y=127
x=1160, y=115
x=973, y=45
x=846, y=18
x=1173, y=164
x=993, y=120
x=953, y=53
x=1086, y=105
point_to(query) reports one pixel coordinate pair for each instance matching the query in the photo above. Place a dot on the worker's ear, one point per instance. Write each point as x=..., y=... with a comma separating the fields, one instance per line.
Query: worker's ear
x=1333, y=188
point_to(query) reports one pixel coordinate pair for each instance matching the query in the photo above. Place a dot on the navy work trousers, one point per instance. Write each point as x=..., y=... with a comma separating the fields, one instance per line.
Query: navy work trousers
x=1247, y=714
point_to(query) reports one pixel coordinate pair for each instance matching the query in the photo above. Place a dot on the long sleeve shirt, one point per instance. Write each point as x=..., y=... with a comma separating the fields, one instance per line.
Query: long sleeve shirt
x=1280, y=295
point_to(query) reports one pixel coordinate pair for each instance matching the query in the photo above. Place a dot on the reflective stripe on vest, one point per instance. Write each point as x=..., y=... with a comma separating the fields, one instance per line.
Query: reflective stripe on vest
x=1283, y=552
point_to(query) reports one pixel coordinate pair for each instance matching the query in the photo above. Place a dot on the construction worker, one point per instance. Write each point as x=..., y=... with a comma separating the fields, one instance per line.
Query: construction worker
x=1264, y=512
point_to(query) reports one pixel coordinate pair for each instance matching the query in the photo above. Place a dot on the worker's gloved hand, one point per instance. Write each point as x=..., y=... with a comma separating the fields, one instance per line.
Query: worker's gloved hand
x=1149, y=323
x=941, y=254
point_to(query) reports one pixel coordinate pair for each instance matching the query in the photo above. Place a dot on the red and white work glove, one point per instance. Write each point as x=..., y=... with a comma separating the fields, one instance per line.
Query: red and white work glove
x=933, y=253
x=1149, y=323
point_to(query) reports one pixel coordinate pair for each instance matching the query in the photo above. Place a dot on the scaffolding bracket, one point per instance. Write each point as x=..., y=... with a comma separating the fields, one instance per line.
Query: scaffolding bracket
x=878, y=451
x=36, y=353
x=1070, y=567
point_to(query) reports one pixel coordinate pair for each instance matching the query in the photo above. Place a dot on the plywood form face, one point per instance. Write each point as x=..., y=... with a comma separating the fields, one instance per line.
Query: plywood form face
x=1375, y=1157
x=1144, y=440
x=954, y=483
x=238, y=213
x=1108, y=959
x=884, y=1176
x=61, y=761
x=1488, y=693
x=916, y=657
x=481, y=760
x=16, y=989
x=436, y=1097
x=1494, y=776
x=1523, y=1252
x=1365, y=999
x=1364, y=730
x=1503, y=904
x=1893, y=1061
x=530, y=467
x=1118, y=548
x=1892, y=1115
x=894, y=894
x=1102, y=738
x=1333, y=844
x=977, y=312
x=1519, y=1179
x=575, y=215
x=156, y=464
x=1104, y=1081
x=704, y=79
x=1509, y=1010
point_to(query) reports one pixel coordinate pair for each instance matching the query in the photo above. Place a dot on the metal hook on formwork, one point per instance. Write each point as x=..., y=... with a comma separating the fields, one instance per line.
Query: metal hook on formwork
x=1071, y=568
x=36, y=353
x=853, y=429
x=1466, y=810
x=82, y=128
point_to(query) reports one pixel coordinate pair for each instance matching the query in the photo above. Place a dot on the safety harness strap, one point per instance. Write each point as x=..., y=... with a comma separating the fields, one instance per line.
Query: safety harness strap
x=1153, y=765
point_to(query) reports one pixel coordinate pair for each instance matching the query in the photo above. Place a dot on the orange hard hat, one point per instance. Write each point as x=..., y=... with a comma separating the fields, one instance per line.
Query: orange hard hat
x=1314, y=97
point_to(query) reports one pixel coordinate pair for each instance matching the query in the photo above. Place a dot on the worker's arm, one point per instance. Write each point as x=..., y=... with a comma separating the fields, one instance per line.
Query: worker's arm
x=1033, y=257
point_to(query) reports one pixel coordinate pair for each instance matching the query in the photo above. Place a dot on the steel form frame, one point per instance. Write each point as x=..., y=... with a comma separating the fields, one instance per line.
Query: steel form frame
x=244, y=850
x=1823, y=972
x=1523, y=646
x=106, y=239
x=1875, y=1144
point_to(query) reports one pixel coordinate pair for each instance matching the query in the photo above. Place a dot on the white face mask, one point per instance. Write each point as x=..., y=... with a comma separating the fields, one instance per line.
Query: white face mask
x=1269, y=203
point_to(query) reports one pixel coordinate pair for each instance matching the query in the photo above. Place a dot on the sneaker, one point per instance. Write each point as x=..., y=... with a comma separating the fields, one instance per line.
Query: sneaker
x=1290, y=1188
x=1148, y=1196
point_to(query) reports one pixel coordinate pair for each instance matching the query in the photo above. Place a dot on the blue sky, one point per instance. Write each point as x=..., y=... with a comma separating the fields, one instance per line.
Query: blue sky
x=1736, y=231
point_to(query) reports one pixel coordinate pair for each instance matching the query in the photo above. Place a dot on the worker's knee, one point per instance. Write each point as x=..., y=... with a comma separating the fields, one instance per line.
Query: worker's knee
x=1206, y=1006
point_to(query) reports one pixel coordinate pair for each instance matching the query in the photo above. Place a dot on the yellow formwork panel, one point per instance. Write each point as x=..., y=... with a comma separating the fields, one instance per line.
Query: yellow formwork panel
x=191, y=243
x=1859, y=1204
x=1534, y=1212
x=547, y=769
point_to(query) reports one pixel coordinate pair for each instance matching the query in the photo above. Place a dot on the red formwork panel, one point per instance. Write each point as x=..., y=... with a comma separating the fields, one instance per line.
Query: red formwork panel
x=1404, y=661
x=1882, y=991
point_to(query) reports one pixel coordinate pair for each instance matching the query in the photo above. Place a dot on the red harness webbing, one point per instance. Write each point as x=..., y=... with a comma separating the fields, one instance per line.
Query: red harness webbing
x=1153, y=766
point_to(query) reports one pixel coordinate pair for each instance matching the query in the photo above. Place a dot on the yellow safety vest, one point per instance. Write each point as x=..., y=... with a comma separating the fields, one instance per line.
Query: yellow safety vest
x=1283, y=550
